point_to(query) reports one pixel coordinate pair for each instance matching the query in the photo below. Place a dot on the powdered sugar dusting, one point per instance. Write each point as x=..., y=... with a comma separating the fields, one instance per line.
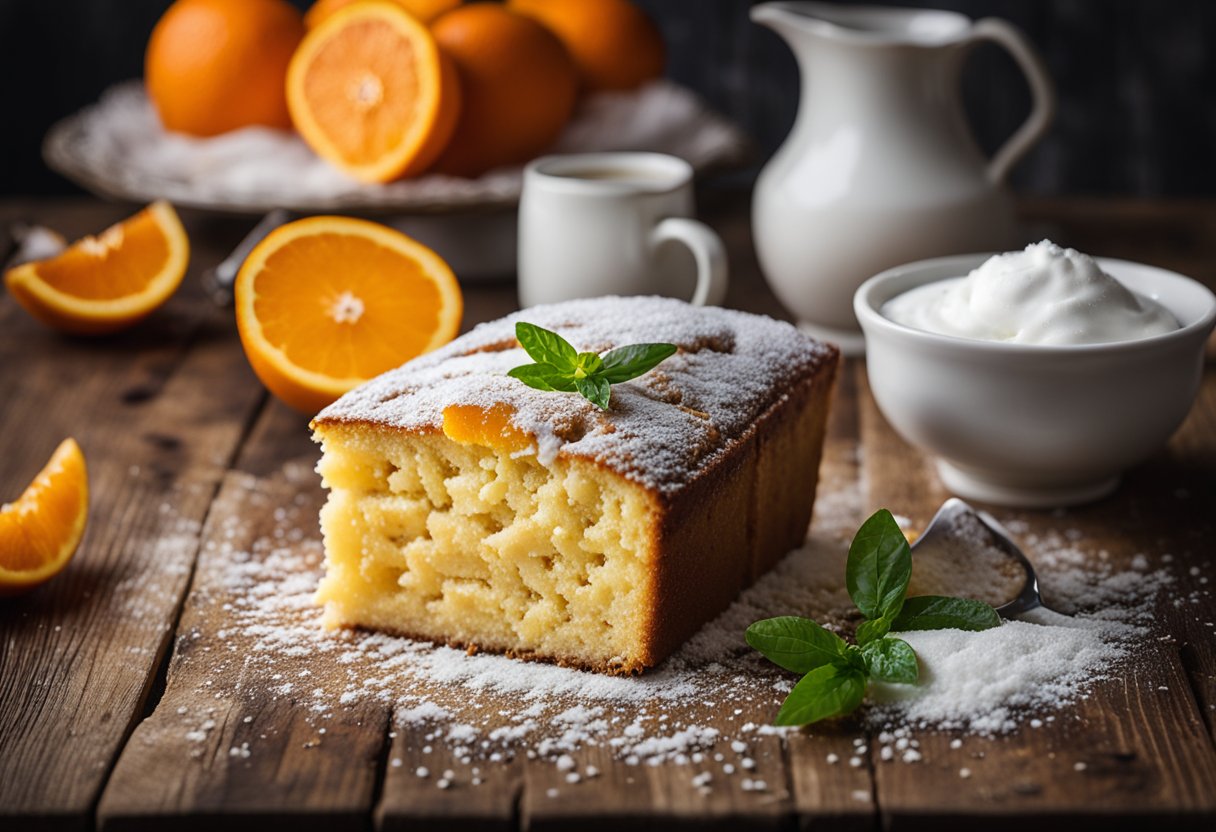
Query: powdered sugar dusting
x=662, y=427
x=706, y=708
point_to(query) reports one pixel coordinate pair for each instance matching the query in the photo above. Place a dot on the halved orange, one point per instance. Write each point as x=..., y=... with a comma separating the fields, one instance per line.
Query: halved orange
x=40, y=532
x=323, y=304
x=370, y=92
x=110, y=281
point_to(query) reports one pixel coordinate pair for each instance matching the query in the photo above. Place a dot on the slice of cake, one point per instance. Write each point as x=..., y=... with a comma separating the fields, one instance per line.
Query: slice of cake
x=468, y=508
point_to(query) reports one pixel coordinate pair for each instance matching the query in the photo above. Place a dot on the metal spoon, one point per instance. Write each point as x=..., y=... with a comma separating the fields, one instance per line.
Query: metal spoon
x=29, y=241
x=944, y=529
x=219, y=279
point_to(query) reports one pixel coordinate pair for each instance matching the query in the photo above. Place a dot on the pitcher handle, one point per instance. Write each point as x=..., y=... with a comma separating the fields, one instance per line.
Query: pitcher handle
x=1042, y=92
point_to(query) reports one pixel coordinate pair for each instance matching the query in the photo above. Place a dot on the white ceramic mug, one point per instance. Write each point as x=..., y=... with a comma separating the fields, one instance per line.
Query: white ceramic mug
x=593, y=224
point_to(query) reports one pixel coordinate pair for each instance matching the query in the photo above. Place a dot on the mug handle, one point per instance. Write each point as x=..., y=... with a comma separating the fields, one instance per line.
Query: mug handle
x=1042, y=91
x=707, y=249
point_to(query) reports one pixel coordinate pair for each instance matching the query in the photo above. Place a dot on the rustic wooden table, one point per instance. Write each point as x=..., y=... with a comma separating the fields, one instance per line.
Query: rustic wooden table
x=187, y=452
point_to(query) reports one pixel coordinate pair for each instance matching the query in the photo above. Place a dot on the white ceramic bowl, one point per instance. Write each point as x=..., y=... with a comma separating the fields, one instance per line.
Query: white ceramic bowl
x=1028, y=425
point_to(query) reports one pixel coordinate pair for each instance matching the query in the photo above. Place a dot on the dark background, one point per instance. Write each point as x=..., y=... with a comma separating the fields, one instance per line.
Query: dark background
x=1136, y=81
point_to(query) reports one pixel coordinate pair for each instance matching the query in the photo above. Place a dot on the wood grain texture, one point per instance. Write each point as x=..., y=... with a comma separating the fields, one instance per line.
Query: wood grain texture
x=79, y=656
x=190, y=463
x=482, y=795
x=667, y=796
x=231, y=742
x=1185, y=488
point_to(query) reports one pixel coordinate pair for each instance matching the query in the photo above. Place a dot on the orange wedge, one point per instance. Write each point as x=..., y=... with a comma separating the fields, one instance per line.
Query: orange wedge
x=108, y=282
x=40, y=532
x=370, y=92
x=323, y=304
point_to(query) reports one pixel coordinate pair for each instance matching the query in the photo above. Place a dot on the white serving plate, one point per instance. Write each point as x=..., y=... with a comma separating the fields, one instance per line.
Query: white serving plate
x=117, y=148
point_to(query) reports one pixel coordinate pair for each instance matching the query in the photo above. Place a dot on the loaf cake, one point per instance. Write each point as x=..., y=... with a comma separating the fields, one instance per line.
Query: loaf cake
x=468, y=508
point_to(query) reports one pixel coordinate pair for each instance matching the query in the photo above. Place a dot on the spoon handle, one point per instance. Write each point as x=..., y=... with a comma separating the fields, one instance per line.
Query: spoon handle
x=219, y=280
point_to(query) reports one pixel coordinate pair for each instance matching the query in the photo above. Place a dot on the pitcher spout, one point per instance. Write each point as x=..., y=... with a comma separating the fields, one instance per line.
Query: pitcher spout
x=802, y=22
x=791, y=20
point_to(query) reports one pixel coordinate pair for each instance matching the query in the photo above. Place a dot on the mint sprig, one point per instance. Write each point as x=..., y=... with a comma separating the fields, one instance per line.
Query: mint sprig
x=561, y=368
x=836, y=673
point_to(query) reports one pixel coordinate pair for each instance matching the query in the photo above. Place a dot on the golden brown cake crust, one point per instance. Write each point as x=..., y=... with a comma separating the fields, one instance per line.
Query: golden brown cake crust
x=665, y=428
x=740, y=517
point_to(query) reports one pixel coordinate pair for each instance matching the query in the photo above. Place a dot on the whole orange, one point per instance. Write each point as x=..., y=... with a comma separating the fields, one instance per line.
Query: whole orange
x=424, y=10
x=218, y=65
x=519, y=87
x=613, y=42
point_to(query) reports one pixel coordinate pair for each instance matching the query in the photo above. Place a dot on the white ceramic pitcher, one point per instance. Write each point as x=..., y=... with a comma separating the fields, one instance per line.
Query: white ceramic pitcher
x=880, y=168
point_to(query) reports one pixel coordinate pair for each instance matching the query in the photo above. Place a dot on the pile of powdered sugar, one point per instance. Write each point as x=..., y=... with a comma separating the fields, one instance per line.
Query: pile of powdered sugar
x=979, y=682
x=707, y=707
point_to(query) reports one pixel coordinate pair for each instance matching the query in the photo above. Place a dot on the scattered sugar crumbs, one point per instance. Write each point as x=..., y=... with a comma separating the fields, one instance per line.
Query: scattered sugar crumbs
x=705, y=710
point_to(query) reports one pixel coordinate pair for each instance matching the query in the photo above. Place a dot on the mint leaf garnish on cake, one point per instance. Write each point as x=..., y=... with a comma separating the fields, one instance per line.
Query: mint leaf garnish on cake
x=836, y=673
x=561, y=368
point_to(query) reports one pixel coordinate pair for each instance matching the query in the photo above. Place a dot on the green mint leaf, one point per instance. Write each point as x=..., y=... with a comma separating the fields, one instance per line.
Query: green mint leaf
x=559, y=367
x=587, y=364
x=939, y=612
x=869, y=631
x=856, y=659
x=891, y=660
x=594, y=389
x=546, y=347
x=797, y=644
x=624, y=363
x=827, y=691
x=879, y=566
x=543, y=377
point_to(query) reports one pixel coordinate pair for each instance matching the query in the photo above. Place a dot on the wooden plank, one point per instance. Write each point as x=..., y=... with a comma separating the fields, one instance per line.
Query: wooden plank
x=480, y=794
x=669, y=794
x=159, y=411
x=1184, y=488
x=1167, y=508
x=830, y=791
x=539, y=781
x=1134, y=751
x=236, y=737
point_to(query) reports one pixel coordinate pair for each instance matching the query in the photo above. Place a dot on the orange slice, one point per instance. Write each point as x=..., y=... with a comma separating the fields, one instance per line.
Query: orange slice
x=370, y=92
x=323, y=304
x=40, y=532
x=108, y=282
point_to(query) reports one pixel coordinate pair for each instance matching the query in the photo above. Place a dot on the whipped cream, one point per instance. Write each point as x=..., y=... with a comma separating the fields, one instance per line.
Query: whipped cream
x=1042, y=295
